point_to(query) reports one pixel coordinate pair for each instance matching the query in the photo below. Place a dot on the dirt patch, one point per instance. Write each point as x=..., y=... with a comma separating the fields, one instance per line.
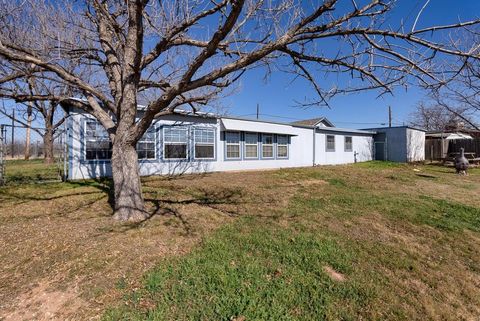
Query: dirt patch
x=334, y=275
x=44, y=302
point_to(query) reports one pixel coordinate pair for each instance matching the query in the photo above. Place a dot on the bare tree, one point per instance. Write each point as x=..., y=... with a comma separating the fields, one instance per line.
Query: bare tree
x=433, y=116
x=187, y=51
x=460, y=97
x=52, y=117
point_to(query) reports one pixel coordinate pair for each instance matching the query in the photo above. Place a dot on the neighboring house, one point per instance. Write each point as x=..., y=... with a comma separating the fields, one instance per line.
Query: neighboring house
x=402, y=144
x=192, y=143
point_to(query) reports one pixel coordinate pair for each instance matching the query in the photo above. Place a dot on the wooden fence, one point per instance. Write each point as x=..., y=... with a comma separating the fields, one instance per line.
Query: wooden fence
x=434, y=151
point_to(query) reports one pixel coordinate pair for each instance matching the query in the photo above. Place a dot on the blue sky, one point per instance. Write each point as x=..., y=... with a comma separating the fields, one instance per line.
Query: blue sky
x=277, y=96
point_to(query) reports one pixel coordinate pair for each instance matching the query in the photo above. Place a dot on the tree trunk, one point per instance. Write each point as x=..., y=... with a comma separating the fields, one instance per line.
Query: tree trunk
x=49, y=157
x=128, y=198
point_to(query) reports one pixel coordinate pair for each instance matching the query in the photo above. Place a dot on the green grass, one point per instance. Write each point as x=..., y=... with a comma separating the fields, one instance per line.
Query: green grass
x=248, y=270
x=258, y=269
x=31, y=171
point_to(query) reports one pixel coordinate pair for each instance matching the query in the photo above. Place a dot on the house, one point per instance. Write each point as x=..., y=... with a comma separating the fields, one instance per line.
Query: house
x=190, y=143
x=402, y=144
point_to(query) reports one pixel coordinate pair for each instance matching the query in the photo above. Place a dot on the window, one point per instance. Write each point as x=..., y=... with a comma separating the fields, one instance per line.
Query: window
x=146, y=144
x=232, y=140
x=175, y=143
x=267, y=145
x=204, y=143
x=282, y=146
x=330, y=143
x=97, y=142
x=348, y=144
x=251, y=145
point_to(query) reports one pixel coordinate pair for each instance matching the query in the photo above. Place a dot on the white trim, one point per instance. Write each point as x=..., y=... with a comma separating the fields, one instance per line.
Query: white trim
x=272, y=145
x=154, y=126
x=330, y=150
x=85, y=139
x=175, y=143
x=345, y=144
x=233, y=144
x=250, y=144
x=204, y=144
x=281, y=145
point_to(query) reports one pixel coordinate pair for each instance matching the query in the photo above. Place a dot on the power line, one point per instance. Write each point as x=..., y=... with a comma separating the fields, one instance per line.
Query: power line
x=338, y=122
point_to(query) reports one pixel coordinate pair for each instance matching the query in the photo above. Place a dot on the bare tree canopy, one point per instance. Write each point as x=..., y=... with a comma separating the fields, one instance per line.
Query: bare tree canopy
x=460, y=96
x=186, y=52
x=432, y=116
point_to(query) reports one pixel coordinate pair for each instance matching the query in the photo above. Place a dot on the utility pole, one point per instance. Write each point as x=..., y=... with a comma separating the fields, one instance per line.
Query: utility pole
x=258, y=110
x=13, y=134
x=389, y=116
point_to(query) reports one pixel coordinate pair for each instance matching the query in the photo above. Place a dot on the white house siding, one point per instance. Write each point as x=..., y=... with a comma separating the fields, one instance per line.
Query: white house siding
x=361, y=148
x=415, y=145
x=300, y=148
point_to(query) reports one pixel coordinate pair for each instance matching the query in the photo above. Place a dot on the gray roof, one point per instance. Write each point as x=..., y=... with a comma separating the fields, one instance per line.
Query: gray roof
x=312, y=122
x=386, y=128
x=346, y=130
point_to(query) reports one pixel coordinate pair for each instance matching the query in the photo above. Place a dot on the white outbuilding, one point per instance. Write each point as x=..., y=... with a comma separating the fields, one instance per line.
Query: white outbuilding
x=403, y=144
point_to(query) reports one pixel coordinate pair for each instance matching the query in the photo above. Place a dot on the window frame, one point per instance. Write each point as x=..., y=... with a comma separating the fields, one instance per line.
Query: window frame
x=234, y=144
x=286, y=145
x=272, y=144
x=345, y=144
x=245, y=144
x=154, y=127
x=85, y=139
x=164, y=143
x=204, y=144
x=326, y=143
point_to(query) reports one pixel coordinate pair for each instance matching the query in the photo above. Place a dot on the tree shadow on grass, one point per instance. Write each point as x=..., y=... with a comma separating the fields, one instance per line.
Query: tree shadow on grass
x=225, y=200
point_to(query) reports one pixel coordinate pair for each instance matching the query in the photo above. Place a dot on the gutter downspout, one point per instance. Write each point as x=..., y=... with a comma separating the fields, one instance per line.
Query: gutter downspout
x=314, y=132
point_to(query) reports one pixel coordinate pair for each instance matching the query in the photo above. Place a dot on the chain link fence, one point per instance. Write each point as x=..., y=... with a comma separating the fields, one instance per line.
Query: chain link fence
x=24, y=157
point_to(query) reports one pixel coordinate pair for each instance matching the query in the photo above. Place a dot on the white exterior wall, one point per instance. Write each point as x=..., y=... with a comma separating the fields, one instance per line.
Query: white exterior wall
x=300, y=152
x=415, y=145
x=362, y=147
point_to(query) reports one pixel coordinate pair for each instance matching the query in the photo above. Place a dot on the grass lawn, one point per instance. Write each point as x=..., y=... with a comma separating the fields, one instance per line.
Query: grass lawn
x=21, y=171
x=370, y=241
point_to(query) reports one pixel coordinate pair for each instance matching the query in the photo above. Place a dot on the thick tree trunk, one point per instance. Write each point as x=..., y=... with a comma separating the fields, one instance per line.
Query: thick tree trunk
x=49, y=157
x=128, y=198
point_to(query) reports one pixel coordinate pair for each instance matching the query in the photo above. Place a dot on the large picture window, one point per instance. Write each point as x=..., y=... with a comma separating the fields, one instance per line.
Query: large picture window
x=175, y=143
x=330, y=143
x=204, y=139
x=232, y=142
x=267, y=146
x=97, y=142
x=146, y=144
x=251, y=145
x=348, y=144
x=282, y=146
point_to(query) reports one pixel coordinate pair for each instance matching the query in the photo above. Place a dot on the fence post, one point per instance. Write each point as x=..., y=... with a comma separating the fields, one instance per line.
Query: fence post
x=13, y=134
